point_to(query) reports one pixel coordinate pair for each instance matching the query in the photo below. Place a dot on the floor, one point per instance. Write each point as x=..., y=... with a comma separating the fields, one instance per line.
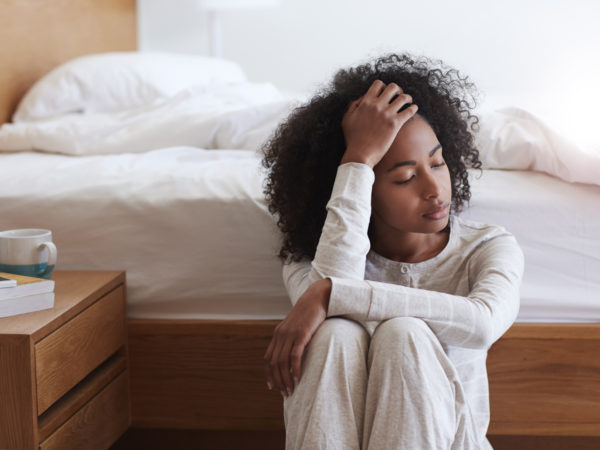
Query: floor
x=275, y=440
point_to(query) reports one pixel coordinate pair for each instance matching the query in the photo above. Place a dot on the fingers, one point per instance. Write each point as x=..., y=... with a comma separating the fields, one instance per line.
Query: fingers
x=275, y=366
x=384, y=95
x=390, y=91
x=291, y=336
x=297, y=351
x=284, y=366
x=407, y=113
x=268, y=367
x=278, y=364
x=398, y=103
x=376, y=87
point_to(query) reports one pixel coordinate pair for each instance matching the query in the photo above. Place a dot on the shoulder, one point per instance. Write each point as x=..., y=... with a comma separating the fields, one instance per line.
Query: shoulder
x=489, y=249
x=476, y=233
x=477, y=238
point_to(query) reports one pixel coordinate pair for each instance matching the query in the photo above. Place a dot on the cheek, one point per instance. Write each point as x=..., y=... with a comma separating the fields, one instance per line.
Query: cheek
x=446, y=181
x=392, y=199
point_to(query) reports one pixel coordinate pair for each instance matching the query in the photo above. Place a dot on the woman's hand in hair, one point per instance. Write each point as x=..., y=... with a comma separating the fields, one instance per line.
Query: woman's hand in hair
x=372, y=122
x=283, y=357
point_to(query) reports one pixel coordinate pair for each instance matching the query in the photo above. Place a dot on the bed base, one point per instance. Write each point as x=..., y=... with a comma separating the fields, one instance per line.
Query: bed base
x=208, y=375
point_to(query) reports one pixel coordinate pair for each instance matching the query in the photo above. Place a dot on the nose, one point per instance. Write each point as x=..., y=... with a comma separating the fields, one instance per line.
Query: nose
x=431, y=186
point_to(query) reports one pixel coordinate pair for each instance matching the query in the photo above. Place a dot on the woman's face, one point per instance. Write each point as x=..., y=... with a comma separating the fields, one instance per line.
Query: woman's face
x=412, y=190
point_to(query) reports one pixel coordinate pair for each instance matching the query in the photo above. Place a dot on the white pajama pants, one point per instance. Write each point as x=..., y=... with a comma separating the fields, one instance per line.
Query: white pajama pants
x=394, y=389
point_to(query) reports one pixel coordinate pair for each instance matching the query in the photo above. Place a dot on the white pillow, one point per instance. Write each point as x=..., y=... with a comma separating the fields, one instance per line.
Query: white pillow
x=110, y=82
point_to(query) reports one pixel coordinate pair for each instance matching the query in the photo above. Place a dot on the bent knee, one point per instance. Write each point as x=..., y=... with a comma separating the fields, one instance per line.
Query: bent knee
x=403, y=328
x=340, y=332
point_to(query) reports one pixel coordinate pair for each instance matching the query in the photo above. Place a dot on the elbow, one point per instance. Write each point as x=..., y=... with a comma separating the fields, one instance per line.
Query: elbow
x=485, y=335
x=492, y=322
x=489, y=330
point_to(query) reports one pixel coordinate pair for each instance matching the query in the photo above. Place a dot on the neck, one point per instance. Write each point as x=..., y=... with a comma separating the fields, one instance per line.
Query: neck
x=409, y=247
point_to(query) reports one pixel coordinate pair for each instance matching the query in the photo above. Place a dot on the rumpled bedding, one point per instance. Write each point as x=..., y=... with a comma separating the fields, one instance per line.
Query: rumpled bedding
x=514, y=139
x=238, y=116
x=243, y=116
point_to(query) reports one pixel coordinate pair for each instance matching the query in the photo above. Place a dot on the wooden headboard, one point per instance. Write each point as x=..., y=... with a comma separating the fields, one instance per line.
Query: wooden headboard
x=38, y=35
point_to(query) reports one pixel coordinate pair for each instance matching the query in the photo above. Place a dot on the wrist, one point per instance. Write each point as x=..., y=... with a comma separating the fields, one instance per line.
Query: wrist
x=356, y=157
x=327, y=286
x=320, y=291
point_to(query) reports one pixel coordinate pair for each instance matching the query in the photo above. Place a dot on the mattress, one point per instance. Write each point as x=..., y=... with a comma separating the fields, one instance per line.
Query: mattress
x=191, y=229
x=557, y=225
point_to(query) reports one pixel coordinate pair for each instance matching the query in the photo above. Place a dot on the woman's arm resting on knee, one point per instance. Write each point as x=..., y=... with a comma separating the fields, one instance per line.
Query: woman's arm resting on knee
x=474, y=321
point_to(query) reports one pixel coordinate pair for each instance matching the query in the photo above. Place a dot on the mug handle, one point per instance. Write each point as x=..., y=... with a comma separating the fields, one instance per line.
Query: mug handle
x=51, y=256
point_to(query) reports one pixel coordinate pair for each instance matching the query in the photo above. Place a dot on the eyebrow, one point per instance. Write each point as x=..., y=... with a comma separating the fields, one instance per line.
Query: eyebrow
x=414, y=163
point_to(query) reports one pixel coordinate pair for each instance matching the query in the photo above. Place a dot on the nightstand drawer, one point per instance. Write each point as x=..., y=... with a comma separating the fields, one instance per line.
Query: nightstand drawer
x=98, y=424
x=66, y=356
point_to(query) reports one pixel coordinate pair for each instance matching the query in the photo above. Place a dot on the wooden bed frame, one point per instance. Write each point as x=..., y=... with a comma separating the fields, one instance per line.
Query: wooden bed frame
x=208, y=375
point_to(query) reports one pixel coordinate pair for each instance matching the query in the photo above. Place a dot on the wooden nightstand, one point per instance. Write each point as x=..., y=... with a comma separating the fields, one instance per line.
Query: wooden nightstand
x=63, y=371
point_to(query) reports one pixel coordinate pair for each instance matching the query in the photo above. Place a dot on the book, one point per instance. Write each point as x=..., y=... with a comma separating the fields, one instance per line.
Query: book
x=26, y=304
x=25, y=286
x=7, y=282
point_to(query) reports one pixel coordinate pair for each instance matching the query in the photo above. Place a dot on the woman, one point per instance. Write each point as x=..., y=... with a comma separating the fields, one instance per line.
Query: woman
x=396, y=299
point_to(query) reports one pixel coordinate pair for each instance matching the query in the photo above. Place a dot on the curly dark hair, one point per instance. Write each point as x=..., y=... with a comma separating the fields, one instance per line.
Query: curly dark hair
x=304, y=152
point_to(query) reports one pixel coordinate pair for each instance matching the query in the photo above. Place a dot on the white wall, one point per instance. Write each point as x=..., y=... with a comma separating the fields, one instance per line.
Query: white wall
x=543, y=55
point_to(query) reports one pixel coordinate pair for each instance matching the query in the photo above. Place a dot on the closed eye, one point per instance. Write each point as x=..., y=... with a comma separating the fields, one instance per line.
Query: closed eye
x=405, y=181
x=442, y=164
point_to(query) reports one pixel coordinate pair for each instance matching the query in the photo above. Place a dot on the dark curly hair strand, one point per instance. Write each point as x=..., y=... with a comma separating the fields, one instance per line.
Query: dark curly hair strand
x=303, y=154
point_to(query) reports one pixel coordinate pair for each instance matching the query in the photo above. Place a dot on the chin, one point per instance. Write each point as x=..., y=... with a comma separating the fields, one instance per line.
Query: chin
x=435, y=226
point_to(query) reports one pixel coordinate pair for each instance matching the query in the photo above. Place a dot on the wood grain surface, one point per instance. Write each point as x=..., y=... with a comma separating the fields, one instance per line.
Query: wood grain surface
x=201, y=374
x=98, y=424
x=18, y=418
x=80, y=395
x=546, y=386
x=74, y=291
x=209, y=375
x=38, y=35
x=154, y=439
x=69, y=354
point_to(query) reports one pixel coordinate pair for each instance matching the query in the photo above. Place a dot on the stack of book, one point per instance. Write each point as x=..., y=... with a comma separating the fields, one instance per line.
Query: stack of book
x=20, y=294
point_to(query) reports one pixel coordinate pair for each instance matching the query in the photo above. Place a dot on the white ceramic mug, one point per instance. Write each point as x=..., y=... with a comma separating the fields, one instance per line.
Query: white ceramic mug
x=27, y=251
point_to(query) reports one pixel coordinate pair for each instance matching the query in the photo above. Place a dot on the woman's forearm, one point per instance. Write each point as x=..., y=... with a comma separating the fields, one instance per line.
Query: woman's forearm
x=473, y=321
x=344, y=242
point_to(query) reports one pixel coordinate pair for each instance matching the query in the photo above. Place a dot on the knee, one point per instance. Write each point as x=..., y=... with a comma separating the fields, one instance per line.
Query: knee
x=401, y=330
x=339, y=333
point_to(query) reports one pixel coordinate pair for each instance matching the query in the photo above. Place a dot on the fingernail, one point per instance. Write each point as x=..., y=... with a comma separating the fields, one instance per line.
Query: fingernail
x=289, y=392
x=295, y=381
x=269, y=385
x=282, y=394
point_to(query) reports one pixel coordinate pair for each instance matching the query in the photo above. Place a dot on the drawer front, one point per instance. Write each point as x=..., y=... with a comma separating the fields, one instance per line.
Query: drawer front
x=69, y=354
x=98, y=424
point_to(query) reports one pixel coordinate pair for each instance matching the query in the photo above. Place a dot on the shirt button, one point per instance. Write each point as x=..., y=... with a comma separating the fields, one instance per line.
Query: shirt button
x=404, y=269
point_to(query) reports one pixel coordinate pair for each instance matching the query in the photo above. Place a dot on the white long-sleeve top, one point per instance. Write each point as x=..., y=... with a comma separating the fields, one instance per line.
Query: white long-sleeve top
x=468, y=294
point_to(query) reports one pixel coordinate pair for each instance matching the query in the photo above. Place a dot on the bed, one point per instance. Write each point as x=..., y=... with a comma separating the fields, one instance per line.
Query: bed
x=181, y=210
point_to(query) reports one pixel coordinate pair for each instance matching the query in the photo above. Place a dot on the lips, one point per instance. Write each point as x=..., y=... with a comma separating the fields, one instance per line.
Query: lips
x=437, y=213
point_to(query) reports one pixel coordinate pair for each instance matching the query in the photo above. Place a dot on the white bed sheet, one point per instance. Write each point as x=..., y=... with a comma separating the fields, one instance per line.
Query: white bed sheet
x=557, y=225
x=191, y=229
